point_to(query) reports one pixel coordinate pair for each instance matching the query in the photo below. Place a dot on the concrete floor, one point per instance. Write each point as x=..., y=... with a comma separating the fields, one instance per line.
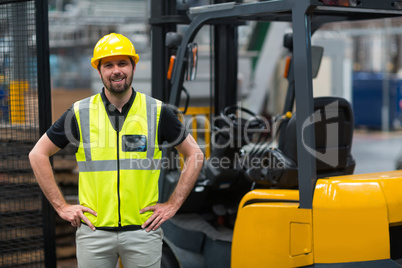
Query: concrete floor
x=376, y=151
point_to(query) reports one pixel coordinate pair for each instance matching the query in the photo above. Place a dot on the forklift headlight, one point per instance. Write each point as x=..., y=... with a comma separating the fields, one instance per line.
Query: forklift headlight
x=343, y=3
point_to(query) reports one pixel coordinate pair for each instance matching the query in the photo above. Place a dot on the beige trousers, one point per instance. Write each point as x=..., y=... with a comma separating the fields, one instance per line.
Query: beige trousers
x=103, y=248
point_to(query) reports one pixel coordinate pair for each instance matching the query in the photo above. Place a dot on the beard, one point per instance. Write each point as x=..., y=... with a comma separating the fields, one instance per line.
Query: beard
x=118, y=89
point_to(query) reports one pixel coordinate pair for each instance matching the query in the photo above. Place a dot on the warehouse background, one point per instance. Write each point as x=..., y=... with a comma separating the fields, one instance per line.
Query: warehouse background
x=368, y=54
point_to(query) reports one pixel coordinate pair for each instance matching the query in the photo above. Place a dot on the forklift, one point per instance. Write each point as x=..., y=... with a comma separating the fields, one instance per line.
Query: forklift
x=309, y=211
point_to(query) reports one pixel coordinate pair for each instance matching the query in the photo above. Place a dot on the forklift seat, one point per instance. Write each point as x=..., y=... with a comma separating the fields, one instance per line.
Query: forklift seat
x=333, y=142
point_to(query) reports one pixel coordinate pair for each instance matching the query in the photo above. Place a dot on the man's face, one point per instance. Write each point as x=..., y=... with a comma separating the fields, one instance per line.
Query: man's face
x=117, y=73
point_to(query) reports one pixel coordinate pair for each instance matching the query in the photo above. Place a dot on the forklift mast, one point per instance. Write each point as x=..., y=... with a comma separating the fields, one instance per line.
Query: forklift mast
x=165, y=16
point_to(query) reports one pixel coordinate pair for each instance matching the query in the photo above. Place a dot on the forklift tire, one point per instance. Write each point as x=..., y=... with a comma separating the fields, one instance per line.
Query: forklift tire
x=168, y=258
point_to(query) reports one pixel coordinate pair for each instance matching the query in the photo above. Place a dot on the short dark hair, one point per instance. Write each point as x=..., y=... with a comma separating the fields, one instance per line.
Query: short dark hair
x=131, y=60
x=99, y=64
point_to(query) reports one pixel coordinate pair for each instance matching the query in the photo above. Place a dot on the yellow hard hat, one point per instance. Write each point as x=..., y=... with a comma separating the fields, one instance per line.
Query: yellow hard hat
x=113, y=45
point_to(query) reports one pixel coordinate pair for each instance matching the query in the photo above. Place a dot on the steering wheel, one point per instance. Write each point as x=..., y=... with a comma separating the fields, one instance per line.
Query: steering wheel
x=231, y=117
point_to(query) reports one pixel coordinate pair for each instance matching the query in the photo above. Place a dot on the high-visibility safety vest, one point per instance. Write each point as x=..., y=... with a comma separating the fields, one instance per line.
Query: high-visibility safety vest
x=118, y=170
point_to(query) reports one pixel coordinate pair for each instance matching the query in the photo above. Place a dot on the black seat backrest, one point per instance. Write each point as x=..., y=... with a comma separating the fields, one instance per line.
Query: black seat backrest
x=333, y=137
x=333, y=142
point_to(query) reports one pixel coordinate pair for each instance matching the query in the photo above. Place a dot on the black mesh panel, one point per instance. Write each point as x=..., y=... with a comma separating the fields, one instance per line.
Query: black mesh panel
x=21, y=233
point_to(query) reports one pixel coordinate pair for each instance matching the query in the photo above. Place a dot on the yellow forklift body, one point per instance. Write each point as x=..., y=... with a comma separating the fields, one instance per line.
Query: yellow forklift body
x=349, y=222
x=352, y=215
x=271, y=231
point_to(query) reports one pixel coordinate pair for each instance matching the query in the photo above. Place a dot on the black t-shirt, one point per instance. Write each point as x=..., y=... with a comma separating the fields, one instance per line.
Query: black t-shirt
x=171, y=130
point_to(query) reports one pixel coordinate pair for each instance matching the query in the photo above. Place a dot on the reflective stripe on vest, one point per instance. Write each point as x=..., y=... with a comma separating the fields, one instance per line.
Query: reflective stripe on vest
x=117, y=180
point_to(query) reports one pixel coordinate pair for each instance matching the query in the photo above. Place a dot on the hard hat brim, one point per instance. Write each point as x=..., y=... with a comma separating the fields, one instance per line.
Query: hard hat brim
x=95, y=61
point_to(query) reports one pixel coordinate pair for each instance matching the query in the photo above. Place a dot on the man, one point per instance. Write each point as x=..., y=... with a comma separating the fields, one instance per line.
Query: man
x=118, y=133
